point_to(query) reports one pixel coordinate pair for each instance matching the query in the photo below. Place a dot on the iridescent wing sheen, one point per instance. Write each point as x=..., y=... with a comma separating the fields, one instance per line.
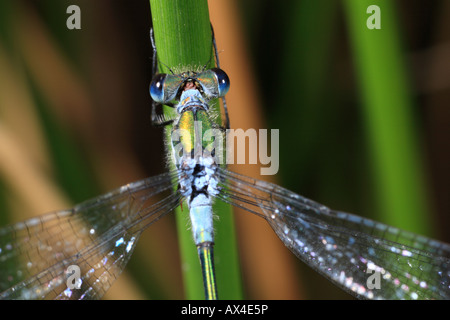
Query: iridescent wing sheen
x=368, y=259
x=97, y=237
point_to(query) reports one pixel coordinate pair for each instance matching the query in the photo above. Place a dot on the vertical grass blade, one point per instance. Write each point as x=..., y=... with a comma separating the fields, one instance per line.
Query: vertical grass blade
x=388, y=113
x=183, y=38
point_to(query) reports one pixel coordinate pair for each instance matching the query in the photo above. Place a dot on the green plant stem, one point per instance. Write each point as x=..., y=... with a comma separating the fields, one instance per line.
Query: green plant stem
x=388, y=114
x=182, y=34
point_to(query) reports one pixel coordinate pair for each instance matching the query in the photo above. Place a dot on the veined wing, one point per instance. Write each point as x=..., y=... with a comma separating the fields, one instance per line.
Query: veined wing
x=368, y=259
x=95, y=238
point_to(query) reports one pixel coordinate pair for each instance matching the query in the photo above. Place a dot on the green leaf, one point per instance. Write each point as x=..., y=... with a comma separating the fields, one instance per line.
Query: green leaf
x=388, y=113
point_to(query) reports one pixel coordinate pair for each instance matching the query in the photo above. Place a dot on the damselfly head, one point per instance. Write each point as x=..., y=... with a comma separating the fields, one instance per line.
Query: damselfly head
x=211, y=83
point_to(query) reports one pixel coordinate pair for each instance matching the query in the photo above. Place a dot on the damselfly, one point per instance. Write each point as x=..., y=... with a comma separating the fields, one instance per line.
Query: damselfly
x=96, y=238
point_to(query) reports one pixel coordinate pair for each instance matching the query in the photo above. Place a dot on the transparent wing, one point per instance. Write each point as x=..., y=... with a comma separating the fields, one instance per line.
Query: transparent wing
x=42, y=258
x=368, y=259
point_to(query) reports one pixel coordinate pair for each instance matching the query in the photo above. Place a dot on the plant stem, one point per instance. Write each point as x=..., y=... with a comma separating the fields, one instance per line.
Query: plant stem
x=388, y=107
x=182, y=34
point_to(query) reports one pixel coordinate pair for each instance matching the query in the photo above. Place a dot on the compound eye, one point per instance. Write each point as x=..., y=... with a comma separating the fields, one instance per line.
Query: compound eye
x=157, y=87
x=223, y=82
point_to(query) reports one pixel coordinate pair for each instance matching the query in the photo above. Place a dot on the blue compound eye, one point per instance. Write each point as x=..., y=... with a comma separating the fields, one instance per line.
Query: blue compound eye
x=223, y=82
x=157, y=87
